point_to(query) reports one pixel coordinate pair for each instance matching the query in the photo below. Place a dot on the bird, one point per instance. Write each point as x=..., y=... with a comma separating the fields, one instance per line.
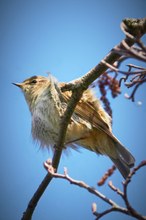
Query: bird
x=89, y=127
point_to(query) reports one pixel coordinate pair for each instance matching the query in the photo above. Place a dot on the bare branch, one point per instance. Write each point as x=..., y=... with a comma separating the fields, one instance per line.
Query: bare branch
x=132, y=211
x=107, y=211
x=136, y=79
x=115, y=189
x=128, y=210
x=81, y=184
x=134, y=52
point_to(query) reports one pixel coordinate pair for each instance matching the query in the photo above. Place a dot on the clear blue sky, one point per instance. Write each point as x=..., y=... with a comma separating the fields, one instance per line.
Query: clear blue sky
x=66, y=38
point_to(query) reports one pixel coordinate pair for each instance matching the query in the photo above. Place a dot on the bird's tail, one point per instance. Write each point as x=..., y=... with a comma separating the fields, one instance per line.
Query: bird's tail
x=124, y=160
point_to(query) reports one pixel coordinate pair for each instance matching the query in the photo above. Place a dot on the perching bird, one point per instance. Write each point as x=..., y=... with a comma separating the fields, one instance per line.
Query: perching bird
x=89, y=127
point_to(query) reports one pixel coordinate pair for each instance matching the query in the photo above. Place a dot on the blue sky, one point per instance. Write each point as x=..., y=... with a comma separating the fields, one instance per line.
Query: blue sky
x=66, y=38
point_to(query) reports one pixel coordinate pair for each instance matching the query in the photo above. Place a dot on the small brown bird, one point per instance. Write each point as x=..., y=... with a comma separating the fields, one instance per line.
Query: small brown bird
x=90, y=125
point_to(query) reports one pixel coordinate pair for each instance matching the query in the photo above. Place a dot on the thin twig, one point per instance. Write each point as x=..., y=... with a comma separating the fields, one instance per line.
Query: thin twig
x=129, y=210
x=115, y=189
x=133, y=52
x=133, y=212
x=107, y=211
x=78, y=183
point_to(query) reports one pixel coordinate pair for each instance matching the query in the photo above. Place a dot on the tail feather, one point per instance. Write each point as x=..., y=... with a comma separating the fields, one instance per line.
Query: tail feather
x=124, y=160
x=122, y=167
x=125, y=155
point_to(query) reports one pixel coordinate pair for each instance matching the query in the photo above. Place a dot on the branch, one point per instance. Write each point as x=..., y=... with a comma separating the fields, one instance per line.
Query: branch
x=81, y=184
x=128, y=210
x=132, y=211
x=136, y=79
x=78, y=87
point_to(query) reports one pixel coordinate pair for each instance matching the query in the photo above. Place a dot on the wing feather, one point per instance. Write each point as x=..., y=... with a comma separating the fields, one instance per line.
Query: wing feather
x=91, y=111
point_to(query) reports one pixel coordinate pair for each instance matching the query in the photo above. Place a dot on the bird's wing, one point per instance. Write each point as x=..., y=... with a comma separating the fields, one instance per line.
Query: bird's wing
x=88, y=111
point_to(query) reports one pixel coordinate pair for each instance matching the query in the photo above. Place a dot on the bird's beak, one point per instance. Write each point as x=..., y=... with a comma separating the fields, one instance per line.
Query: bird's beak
x=18, y=84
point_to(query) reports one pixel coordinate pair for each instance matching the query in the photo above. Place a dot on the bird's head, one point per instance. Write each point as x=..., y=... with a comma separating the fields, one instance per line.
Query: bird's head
x=33, y=88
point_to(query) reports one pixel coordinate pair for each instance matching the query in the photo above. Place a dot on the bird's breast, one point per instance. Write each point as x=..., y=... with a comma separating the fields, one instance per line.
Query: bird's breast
x=45, y=123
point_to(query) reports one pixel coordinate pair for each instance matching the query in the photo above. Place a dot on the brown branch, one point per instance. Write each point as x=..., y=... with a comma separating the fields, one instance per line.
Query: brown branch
x=137, y=78
x=135, y=27
x=81, y=184
x=133, y=30
x=129, y=210
x=115, y=189
x=132, y=96
x=135, y=66
x=140, y=44
x=77, y=89
x=107, y=211
x=133, y=52
x=132, y=211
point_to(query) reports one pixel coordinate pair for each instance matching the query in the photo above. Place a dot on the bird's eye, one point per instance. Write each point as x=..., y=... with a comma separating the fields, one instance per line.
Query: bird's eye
x=33, y=81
